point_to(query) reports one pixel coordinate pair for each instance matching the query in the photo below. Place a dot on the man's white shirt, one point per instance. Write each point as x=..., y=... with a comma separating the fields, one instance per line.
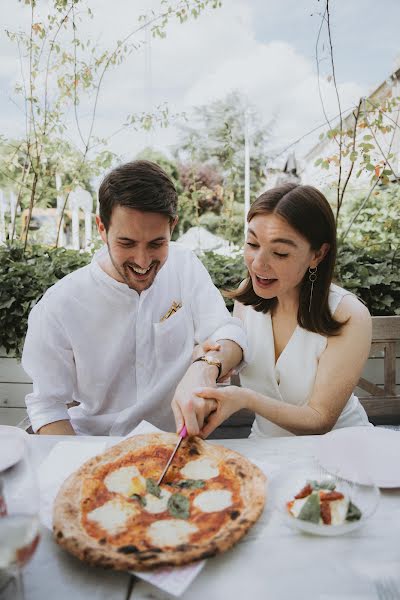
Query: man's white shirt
x=93, y=340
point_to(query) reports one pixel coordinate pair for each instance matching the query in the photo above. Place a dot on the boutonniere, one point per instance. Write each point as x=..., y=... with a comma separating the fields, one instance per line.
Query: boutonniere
x=175, y=306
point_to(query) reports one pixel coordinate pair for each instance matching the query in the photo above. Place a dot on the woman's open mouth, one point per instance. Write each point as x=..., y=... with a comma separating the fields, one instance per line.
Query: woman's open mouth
x=265, y=282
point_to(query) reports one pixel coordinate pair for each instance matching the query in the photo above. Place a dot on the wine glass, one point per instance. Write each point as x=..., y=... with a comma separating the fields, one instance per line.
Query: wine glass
x=19, y=522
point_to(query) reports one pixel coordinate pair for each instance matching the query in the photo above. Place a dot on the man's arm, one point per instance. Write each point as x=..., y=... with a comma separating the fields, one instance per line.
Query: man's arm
x=188, y=408
x=48, y=359
x=58, y=428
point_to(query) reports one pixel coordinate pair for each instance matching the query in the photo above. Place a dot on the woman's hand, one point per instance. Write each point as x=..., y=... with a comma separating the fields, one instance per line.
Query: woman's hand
x=229, y=399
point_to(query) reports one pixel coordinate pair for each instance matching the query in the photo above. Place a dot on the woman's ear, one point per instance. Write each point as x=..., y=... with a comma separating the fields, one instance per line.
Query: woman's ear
x=319, y=255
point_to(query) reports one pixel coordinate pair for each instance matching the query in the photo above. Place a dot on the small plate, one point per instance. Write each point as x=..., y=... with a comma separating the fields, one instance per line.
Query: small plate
x=11, y=446
x=289, y=482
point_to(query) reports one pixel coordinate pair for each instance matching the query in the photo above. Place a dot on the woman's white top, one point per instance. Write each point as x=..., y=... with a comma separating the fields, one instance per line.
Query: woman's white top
x=291, y=378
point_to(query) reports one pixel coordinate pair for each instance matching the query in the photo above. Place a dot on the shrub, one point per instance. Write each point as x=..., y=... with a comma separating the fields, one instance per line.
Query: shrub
x=24, y=280
x=373, y=276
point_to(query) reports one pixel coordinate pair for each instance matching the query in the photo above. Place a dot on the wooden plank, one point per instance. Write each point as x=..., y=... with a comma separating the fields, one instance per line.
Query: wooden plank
x=390, y=370
x=369, y=387
x=11, y=371
x=382, y=407
x=386, y=328
x=374, y=370
x=13, y=394
x=11, y=416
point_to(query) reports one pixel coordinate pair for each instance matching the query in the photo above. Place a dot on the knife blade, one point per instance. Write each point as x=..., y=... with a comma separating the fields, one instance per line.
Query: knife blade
x=182, y=434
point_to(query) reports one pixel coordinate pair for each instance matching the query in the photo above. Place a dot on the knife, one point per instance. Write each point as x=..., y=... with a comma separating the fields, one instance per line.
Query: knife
x=182, y=434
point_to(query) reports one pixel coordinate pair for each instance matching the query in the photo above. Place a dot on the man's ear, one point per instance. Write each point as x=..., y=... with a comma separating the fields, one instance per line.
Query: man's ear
x=173, y=224
x=319, y=255
x=101, y=229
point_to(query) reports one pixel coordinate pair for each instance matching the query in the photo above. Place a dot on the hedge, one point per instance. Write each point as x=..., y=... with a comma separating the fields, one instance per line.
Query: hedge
x=373, y=276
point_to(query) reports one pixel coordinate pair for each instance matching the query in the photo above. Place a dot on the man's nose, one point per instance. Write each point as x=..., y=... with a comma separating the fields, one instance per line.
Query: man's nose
x=142, y=258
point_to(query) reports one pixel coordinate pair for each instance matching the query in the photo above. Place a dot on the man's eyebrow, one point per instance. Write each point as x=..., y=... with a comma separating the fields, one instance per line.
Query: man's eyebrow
x=126, y=239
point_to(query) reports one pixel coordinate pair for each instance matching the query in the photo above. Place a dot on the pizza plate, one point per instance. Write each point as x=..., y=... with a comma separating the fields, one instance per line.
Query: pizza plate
x=294, y=478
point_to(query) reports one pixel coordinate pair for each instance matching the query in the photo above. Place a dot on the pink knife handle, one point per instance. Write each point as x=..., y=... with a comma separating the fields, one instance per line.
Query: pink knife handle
x=183, y=432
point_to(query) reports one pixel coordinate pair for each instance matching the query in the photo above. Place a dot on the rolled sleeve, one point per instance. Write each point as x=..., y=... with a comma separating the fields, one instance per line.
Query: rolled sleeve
x=48, y=359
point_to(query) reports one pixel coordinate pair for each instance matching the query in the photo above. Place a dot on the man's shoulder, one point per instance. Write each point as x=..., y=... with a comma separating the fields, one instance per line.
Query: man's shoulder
x=182, y=256
x=70, y=285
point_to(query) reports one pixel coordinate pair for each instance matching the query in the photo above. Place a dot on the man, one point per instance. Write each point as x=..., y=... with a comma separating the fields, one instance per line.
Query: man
x=116, y=337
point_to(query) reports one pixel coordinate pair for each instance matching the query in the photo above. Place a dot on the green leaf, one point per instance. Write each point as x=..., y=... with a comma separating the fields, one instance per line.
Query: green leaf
x=190, y=484
x=353, y=512
x=178, y=506
x=322, y=485
x=153, y=488
x=310, y=510
x=140, y=499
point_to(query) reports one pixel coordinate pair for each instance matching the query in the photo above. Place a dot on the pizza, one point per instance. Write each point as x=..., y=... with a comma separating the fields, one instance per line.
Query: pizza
x=112, y=513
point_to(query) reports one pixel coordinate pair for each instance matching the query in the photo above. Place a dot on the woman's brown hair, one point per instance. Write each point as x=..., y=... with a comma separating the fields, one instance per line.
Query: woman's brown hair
x=306, y=210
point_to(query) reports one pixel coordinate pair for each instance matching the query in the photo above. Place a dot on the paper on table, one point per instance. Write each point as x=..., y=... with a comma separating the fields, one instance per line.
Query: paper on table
x=64, y=459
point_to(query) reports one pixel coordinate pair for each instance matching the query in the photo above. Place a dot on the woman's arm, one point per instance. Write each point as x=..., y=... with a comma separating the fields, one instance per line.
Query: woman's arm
x=338, y=372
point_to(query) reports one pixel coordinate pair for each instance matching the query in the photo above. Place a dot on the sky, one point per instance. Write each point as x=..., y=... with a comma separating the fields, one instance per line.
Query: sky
x=265, y=49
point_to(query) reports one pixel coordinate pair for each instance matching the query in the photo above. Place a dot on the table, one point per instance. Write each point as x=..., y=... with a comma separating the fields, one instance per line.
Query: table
x=272, y=562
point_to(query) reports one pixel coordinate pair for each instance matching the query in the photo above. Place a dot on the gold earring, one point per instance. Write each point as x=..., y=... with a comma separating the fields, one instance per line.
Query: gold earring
x=313, y=278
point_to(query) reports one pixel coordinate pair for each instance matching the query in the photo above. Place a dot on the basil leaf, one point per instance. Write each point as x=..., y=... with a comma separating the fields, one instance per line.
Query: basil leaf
x=322, y=485
x=310, y=510
x=140, y=499
x=153, y=488
x=353, y=512
x=189, y=484
x=178, y=506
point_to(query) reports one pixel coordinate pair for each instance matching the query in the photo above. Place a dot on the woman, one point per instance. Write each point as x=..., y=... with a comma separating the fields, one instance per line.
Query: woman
x=309, y=339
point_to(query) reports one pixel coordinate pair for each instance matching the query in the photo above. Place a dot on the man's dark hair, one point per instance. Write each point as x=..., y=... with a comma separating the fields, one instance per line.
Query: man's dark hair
x=140, y=184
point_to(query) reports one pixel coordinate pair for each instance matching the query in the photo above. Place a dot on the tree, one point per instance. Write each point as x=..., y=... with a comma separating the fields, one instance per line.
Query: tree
x=218, y=139
x=60, y=68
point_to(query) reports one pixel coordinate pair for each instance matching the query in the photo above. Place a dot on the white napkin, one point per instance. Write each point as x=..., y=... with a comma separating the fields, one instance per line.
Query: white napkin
x=62, y=461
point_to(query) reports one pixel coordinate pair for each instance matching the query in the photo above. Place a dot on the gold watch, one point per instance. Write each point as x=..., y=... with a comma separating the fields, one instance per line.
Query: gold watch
x=211, y=360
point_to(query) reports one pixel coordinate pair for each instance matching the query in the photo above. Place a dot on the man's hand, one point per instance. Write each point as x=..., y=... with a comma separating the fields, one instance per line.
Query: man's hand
x=188, y=408
x=57, y=428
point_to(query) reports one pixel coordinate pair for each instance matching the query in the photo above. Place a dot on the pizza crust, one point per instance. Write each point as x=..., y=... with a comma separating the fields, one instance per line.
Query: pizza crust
x=71, y=534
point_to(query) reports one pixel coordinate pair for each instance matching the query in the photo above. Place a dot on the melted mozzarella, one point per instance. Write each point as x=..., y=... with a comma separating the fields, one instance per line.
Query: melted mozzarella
x=203, y=468
x=297, y=506
x=156, y=505
x=339, y=510
x=113, y=515
x=213, y=501
x=171, y=532
x=126, y=481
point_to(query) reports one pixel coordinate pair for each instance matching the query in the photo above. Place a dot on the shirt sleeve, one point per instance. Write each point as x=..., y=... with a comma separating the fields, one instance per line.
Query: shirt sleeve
x=48, y=359
x=211, y=318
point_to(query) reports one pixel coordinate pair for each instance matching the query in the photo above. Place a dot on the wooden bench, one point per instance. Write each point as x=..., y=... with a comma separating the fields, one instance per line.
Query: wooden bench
x=382, y=403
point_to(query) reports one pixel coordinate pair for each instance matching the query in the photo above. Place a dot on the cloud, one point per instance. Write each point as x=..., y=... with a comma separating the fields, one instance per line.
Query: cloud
x=199, y=61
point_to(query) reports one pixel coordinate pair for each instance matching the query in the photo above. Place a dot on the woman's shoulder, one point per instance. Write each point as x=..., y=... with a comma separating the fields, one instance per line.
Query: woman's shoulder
x=347, y=307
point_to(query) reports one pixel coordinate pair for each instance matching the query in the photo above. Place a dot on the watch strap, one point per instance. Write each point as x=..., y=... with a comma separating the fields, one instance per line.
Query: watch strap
x=211, y=361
